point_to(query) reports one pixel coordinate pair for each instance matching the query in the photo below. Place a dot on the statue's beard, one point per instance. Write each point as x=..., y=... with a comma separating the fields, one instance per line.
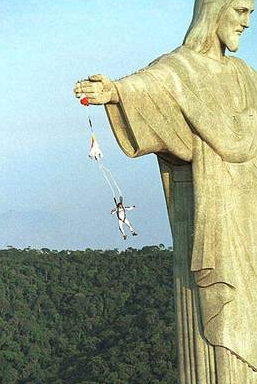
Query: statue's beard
x=232, y=43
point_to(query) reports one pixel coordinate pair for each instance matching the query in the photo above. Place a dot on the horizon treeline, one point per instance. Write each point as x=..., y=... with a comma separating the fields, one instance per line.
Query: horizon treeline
x=87, y=317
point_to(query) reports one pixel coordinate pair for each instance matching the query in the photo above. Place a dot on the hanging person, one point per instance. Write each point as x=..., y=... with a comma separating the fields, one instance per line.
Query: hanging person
x=96, y=154
x=120, y=210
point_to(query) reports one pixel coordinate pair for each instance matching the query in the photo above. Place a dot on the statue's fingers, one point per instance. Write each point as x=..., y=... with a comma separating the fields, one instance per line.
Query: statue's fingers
x=77, y=91
x=77, y=88
x=96, y=100
x=81, y=86
x=93, y=100
x=93, y=87
x=84, y=83
x=80, y=90
x=86, y=91
x=99, y=77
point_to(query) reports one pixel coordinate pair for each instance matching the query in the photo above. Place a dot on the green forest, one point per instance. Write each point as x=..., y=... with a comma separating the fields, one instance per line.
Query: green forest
x=87, y=317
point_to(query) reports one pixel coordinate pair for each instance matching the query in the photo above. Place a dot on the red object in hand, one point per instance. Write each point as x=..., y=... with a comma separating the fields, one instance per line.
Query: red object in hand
x=84, y=101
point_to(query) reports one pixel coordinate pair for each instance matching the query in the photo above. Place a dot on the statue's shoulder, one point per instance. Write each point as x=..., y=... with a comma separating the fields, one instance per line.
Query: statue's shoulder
x=181, y=60
x=166, y=58
x=237, y=60
x=156, y=65
x=243, y=65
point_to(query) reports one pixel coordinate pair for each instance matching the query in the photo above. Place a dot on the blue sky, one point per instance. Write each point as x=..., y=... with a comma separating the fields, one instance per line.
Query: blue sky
x=44, y=168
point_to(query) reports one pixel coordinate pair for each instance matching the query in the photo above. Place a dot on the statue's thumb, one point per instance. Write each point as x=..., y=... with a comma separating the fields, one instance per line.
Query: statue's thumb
x=97, y=78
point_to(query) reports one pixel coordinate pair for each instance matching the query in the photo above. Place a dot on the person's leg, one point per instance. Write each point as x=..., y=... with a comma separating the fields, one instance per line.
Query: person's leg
x=122, y=230
x=130, y=227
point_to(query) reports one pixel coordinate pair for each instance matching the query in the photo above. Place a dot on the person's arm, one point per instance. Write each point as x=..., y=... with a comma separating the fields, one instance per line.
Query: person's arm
x=130, y=208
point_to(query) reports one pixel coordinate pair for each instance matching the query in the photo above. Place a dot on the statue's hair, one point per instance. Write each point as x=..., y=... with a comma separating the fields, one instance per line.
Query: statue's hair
x=204, y=25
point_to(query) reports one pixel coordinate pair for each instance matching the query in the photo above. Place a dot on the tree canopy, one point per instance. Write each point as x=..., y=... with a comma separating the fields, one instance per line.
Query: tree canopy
x=87, y=317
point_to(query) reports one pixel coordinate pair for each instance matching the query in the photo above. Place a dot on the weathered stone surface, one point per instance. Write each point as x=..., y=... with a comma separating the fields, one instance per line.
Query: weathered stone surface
x=196, y=108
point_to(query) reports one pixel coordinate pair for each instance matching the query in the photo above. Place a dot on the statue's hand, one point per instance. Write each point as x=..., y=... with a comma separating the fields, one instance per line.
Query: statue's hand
x=99, y=89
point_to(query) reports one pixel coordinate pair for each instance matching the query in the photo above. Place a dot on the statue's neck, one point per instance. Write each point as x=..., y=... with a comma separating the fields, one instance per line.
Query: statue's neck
x=217, y=51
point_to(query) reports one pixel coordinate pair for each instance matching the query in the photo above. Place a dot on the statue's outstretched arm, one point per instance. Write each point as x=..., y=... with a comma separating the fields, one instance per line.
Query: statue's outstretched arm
x=99, y=90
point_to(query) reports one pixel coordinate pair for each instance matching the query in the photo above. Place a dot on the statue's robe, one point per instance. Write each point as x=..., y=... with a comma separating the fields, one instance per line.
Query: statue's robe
x=195, y=112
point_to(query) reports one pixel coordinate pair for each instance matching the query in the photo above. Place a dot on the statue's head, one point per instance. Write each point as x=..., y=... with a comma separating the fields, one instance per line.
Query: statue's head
x=218, y=21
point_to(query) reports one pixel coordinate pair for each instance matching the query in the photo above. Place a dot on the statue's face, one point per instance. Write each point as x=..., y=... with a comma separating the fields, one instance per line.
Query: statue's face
x=233, y=22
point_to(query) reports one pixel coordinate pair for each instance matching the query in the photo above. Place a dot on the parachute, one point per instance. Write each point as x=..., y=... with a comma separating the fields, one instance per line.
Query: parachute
x=96, y=154
x=95, y=151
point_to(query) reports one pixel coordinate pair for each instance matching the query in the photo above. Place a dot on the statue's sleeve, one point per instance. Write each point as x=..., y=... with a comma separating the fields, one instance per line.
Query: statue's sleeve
x=147, y=118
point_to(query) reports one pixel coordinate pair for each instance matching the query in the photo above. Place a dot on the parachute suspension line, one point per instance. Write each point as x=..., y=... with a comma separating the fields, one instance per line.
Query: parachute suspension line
x=90, y=123
x=110, y=180
x=84, y=101
x=107, y=170
x=106, y=178
x=97, y=155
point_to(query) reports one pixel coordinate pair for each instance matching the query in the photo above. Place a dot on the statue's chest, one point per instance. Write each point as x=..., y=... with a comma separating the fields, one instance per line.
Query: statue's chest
x=227, y=90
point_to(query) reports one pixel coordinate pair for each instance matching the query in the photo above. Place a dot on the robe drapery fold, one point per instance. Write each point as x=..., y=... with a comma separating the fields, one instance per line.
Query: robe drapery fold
x=202, y=111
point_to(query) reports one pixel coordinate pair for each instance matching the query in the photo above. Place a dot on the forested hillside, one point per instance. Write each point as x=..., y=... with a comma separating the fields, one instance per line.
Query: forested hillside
x=87, y=317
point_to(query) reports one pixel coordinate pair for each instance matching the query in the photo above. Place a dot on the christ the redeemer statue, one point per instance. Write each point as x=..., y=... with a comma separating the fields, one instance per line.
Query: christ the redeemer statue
x=196, y=109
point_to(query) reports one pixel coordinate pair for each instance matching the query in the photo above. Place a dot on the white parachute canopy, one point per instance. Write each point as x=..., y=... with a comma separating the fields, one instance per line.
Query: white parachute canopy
x=95, y=151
